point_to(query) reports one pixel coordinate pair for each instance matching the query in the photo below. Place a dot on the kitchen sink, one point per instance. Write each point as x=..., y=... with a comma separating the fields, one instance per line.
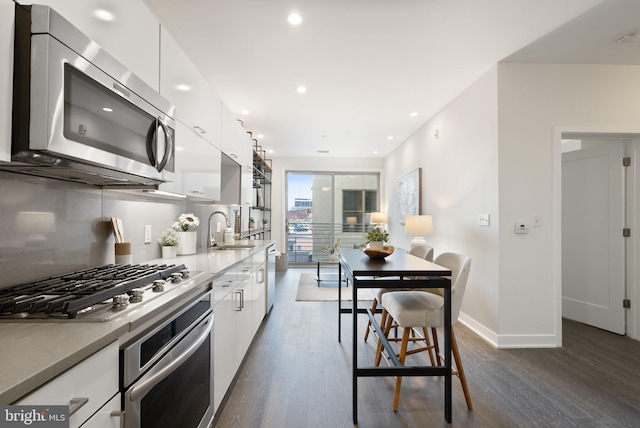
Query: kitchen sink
x=232, y=247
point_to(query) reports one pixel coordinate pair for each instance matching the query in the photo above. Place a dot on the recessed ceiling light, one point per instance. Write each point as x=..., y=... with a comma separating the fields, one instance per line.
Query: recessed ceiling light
x=183, y=87
x=104, y=15
x=107, y=109
x=259, y=136
x=270, y=151
x=375, y=152
x=301, y=89
x=244, y=112
x=294, y=18
x=413, y=114
x=390, y=137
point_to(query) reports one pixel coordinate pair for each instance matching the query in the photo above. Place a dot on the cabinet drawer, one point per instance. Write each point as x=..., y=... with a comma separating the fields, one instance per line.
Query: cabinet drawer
x=94, y=379
x=245, y=268
x=223, y=284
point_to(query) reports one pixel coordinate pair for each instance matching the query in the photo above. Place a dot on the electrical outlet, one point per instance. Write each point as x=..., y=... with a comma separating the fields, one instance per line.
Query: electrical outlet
x=147, y=234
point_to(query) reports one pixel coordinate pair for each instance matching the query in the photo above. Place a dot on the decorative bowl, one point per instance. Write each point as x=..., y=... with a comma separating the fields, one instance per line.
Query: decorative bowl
x=379, y=254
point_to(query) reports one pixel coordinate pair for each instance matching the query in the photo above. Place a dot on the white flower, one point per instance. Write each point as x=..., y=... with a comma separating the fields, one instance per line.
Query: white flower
x=186, y=222
x=169, y=238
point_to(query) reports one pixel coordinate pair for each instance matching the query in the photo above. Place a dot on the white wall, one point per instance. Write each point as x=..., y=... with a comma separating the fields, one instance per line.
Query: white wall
x=283, y=164
x=459, y=182
x=536, y=102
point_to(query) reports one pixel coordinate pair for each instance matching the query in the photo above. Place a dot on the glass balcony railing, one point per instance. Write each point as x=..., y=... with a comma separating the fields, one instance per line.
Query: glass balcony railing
x=311, y=242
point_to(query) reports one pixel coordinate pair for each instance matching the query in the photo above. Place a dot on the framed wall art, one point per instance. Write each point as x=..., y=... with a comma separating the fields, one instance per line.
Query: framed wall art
x=409, y=194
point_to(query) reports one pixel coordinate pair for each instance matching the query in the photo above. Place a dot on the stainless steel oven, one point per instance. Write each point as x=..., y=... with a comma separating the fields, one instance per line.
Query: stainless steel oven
x=167, y=371
x=81, y=115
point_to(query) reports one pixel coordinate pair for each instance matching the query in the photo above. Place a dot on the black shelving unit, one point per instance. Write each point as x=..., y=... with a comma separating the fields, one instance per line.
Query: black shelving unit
x=260, y=210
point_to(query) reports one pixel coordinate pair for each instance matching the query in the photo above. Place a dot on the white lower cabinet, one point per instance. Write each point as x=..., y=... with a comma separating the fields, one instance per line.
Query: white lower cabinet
x=108, y=416
x=238, y=316
x=91, y=384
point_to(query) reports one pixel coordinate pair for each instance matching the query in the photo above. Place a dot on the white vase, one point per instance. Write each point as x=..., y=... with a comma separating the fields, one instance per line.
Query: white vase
x=187, y=243
x=376, y=245
x=169, y=252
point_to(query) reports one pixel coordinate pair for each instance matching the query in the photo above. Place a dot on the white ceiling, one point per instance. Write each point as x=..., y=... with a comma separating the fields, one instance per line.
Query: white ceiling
x=367, y=64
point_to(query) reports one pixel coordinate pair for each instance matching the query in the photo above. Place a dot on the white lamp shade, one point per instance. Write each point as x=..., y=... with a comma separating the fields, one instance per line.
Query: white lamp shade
x=378, y=217
x=352, y=220
x=418, y=225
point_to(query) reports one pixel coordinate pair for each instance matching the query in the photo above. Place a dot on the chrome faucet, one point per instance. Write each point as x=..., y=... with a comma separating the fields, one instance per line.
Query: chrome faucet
x=212, y=240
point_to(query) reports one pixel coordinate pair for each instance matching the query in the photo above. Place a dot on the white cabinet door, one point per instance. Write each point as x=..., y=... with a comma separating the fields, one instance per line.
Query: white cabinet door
x=198, y=166
x=131, y=36
x=259, y=296
x=108, y=416
x=225, y=359
x=7, y=12
x=94, y=380
x=197, y=105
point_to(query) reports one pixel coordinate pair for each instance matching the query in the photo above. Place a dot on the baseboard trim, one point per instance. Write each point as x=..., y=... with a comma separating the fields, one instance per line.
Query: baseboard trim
x=509, y=340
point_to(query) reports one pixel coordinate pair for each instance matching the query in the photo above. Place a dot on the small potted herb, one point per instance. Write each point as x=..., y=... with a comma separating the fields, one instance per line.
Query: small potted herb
x=169, y=242
x=376, y=238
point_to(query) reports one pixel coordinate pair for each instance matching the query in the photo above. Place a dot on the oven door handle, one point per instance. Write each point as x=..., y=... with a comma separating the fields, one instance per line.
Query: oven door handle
x=143, y=388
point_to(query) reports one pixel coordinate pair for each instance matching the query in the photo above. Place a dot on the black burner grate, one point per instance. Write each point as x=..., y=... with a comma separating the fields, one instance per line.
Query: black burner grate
x=66, y=295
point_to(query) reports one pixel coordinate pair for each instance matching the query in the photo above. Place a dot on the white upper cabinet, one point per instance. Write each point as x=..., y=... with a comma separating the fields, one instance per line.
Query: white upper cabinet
x=237, y=144
x=197, y=105
x=6, y=77
x=197, y=167
x=127, y=30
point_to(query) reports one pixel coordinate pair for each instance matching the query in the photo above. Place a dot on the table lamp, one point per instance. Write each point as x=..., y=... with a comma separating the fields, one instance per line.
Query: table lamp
x=418, y=226
x=377, y=218
x=351, y=222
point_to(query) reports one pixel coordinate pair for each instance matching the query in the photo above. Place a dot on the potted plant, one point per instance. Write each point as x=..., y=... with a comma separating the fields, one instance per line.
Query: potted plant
x=252, y=222
x=186, y=225
x=169, y=242
x=376, y=238
x=264, y=223
x=333, y=250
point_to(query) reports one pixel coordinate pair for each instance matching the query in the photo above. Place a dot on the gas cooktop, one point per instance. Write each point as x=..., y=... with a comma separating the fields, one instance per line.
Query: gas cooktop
x=94, y=294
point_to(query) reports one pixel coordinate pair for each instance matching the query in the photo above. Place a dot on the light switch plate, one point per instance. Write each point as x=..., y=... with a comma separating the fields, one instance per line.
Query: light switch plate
x=147, y=234
x=483, y=220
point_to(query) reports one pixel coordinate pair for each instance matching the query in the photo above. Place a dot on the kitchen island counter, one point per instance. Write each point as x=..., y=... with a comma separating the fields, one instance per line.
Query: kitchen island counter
x=33, y=352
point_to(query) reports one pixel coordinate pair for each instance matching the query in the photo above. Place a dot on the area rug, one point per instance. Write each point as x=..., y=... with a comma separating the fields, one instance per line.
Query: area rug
x=308, y=290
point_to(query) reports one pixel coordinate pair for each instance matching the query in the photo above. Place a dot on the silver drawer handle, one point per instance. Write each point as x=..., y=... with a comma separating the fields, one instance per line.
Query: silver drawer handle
x=76, y=403
x=119, y=414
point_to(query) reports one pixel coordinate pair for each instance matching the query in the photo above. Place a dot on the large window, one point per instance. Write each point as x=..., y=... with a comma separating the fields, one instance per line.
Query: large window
x=357, y=205
x=325, y=208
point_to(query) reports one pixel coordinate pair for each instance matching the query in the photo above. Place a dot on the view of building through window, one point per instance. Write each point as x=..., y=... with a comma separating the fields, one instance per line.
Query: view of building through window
x=328, y=211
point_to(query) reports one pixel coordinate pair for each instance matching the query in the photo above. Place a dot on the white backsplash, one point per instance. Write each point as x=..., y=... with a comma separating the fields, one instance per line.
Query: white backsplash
x=50, y=227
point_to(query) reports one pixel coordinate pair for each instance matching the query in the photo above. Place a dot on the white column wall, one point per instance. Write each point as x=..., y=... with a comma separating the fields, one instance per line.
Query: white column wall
x=459, y=182
x=536, y=102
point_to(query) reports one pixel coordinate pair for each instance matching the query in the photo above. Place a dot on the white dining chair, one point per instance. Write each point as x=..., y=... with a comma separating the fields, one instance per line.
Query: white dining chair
x=412, y=310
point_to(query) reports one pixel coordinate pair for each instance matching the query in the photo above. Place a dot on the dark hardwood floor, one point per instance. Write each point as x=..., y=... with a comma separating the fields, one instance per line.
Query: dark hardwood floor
x=297, y=375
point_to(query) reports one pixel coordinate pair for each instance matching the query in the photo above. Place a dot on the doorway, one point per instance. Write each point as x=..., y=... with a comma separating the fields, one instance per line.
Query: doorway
x=593, y=246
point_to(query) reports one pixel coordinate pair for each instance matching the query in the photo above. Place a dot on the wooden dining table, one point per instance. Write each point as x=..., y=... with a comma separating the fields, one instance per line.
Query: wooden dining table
x=401, y=270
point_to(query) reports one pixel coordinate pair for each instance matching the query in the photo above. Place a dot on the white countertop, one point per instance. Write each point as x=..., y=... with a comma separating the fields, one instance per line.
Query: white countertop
x=34, y=352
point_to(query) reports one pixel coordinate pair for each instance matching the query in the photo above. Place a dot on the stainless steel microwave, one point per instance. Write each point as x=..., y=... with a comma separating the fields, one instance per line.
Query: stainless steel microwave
x=79, y=114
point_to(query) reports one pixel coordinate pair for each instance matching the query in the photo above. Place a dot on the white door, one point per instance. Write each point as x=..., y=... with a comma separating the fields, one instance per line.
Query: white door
x=593, y=248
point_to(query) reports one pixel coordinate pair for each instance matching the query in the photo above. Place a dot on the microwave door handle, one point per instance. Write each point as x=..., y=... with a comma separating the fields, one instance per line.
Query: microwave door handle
x=168, y=145
x=151, y=139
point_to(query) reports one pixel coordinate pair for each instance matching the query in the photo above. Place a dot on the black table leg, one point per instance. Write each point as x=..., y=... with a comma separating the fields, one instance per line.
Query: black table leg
x=339, y=304
x=447, y=350
x=354, y=366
